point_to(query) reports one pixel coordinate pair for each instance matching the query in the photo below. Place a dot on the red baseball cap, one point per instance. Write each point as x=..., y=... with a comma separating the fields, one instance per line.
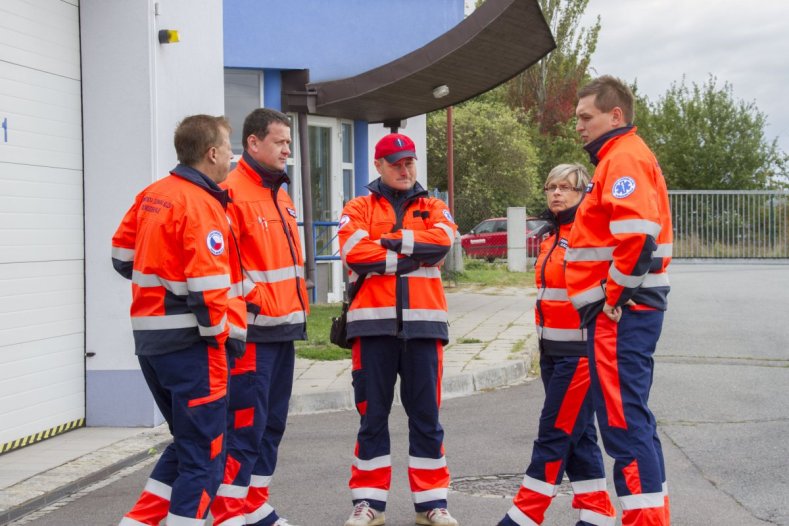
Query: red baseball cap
x=394, y=147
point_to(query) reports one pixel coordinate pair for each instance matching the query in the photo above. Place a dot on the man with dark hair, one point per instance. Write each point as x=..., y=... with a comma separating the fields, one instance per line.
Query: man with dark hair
x=173, y=245
x=619, y=251
x=264, y=217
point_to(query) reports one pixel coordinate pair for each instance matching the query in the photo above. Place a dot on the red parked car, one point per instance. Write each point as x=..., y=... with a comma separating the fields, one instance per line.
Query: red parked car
x=488, y=239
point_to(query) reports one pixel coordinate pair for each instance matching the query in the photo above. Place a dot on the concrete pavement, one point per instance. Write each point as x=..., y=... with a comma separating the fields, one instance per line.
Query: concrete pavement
x=492, y=344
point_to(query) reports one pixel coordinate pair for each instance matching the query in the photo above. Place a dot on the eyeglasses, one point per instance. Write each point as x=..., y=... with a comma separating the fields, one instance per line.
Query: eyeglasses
x=563, y=189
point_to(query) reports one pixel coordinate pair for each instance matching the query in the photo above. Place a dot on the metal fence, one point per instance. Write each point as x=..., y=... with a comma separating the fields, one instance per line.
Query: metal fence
x=750, y=224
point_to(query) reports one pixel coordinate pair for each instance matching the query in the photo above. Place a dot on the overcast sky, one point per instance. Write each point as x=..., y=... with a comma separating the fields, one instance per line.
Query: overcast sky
x=657, y=41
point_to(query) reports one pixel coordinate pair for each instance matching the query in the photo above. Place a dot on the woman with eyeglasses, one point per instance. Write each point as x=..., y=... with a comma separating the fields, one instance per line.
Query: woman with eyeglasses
x=567, y=437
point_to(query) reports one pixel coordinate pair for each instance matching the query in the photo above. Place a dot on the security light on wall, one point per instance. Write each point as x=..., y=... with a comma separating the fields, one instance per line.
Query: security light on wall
x=168, y=36
x=441, y=91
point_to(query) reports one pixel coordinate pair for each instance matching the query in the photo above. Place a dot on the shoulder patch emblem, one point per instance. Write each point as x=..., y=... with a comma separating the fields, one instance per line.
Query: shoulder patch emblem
x=623, y=187
x=448, y=216
x=215, y=242
x=343, y=221
x=292, y=212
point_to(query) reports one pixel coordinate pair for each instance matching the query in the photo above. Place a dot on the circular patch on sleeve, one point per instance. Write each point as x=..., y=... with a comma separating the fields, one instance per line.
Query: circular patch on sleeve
x=448, y=216
x=344, y=220
x=623, y=187
x=215, y=242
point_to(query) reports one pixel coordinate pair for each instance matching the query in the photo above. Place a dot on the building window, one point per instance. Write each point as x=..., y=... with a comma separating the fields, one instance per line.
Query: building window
x=243, y=93
x=320, y=176
x=346, y=136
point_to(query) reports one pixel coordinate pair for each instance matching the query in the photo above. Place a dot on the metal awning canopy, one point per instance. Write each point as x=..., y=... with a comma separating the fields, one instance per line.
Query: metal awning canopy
x=499, y=40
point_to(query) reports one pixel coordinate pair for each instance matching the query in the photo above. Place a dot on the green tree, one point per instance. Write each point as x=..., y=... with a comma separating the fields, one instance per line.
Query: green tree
x=706, y=139
x=547, y=91
x=494, y=160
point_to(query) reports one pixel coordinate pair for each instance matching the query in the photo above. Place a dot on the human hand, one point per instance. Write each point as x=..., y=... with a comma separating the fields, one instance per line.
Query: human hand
x=235, y=348
x=613, y=313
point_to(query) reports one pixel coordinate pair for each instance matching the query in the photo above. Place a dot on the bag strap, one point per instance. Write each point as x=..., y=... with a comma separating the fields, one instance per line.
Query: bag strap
x=357, y=286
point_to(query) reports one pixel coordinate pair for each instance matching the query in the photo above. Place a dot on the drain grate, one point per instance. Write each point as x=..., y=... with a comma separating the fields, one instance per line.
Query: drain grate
x=502, y=486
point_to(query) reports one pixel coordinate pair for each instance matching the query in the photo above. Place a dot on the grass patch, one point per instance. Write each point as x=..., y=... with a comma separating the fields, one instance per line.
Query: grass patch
x=496, y=274
x=469, y=340
x=518, y=347
x=318, y=346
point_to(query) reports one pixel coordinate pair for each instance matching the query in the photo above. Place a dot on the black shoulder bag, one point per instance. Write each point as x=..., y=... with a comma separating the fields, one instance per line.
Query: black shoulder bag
x=338, y=334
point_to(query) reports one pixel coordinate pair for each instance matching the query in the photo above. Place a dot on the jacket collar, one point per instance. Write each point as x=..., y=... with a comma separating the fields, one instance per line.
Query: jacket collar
x=379, y=188
x=564, y=217
x=268, y=178
x=198, y=178
x=597, y=148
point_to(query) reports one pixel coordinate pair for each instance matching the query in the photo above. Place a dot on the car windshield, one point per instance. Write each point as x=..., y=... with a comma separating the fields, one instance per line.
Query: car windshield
x=534, y=224
x=486, y=227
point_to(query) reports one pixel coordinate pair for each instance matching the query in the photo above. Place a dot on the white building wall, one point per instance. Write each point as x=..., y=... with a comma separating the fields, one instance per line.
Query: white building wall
x=135, y=91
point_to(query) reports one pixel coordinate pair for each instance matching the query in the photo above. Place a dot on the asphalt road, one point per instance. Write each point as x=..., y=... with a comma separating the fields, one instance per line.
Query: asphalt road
x=720, y=395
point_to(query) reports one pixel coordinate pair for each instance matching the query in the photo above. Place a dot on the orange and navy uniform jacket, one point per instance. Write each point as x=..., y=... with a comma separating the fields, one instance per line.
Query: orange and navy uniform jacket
x=621, y=244
x=264, y=219
x=175, y=246
x=558, y=324
x=402, y=294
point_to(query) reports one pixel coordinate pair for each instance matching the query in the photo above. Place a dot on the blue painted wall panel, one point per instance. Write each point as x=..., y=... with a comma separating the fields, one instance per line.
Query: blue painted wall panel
x=272, y=89
x=361, y=150
x=333, y=38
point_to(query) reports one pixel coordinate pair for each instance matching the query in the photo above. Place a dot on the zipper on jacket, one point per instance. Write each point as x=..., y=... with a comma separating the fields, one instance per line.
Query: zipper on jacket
x=291, y=246
x=542, y=275
x=399, y=215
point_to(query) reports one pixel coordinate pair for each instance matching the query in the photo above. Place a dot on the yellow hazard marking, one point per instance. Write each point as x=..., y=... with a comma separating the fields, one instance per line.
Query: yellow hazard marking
x=41, y=435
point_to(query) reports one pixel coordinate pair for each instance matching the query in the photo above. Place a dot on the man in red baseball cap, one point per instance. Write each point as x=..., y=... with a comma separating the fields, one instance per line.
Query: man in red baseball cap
x=394, y=241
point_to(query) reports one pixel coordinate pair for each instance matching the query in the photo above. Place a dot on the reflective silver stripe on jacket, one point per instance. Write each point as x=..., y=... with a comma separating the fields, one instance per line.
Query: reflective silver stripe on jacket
x=372, y=313
x=656, y=280
x=237, y=333
x=663, y=251
x=588, y=297
x=448, y=230
x=204, y=283
x=635, y=226
x=407, y=247
x=123, y=254
x=425, y=272
x=561, y=335
x=589, y=254
x=391, y=261
x=236, y=290
x=158, y=323
x=352, y=241
x=425, y=315
x=213, y=330
x=627, y=281
x=275, y=275
x=272, y=321
x=178, y=288
x=552, y=294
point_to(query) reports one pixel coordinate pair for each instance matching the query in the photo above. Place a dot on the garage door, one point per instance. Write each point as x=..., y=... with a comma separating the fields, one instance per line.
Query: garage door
x=41, y=222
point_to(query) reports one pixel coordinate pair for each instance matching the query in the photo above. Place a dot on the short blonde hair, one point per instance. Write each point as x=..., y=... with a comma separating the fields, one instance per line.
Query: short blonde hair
x=565, y=172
